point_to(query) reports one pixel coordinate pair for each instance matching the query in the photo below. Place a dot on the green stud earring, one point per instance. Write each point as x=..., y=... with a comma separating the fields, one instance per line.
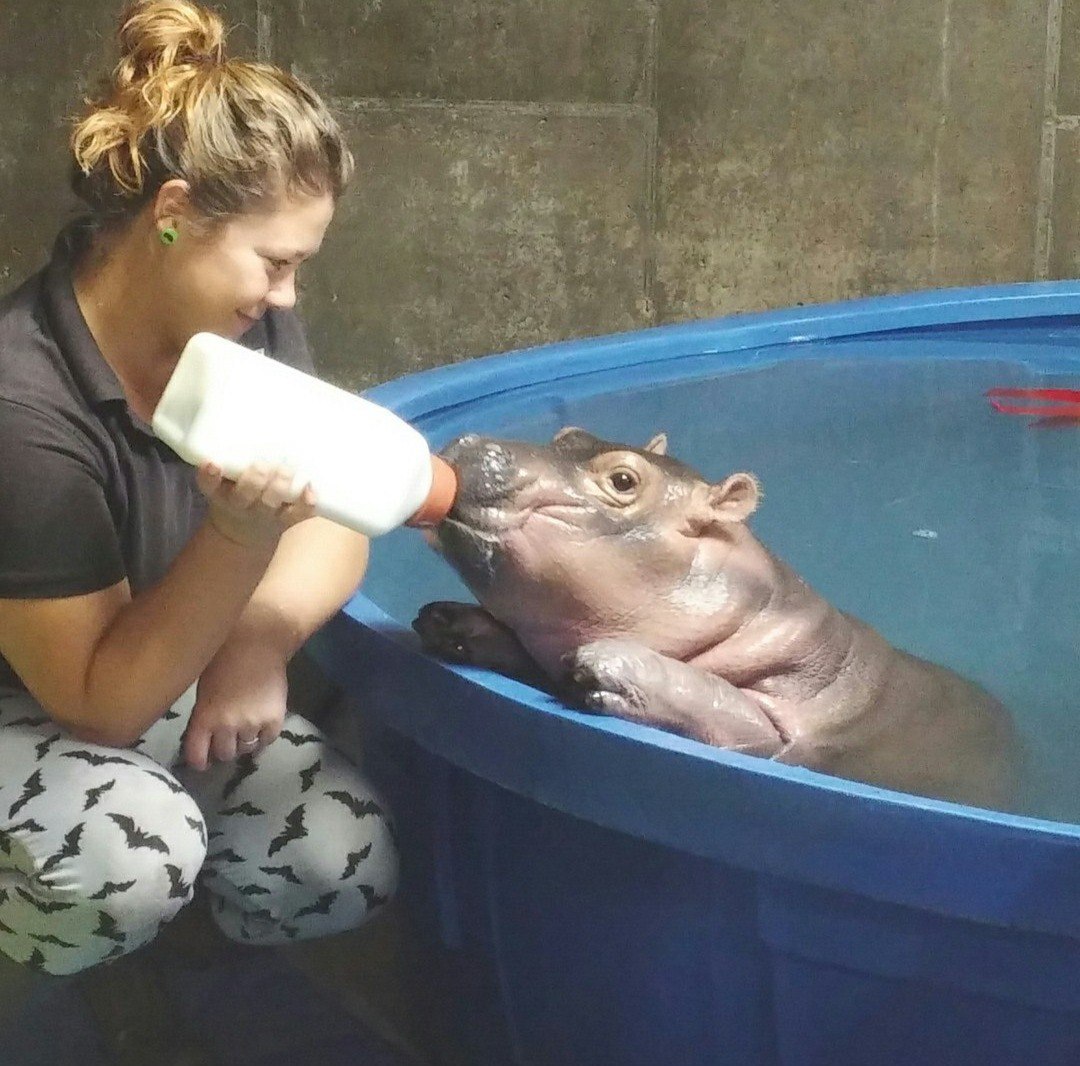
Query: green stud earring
x=169, y=235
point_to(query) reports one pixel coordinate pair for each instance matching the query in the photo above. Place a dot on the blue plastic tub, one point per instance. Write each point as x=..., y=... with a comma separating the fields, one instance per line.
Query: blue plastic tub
x=612, y=895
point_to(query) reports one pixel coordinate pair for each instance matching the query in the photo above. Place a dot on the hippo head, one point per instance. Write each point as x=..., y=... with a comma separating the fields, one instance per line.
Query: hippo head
x=586, y=537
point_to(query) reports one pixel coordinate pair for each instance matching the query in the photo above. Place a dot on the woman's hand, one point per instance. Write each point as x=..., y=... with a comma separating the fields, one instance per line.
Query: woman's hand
x=240, y=704
x=256, y=509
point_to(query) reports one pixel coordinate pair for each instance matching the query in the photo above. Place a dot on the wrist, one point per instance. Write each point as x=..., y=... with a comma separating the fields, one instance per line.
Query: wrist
x=265, y=633
x=255, y=550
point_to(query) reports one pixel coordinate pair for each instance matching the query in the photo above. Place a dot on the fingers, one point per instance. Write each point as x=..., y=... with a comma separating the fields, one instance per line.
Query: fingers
x=197, y=747
x=261, y=498
x=265, y=486
x=226, y=743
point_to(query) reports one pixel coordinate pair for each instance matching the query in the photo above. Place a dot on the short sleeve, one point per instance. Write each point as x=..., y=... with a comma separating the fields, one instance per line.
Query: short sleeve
x=57, y=535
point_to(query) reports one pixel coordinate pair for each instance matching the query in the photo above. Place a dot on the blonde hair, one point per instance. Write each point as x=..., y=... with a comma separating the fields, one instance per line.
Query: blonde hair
x=240, y=133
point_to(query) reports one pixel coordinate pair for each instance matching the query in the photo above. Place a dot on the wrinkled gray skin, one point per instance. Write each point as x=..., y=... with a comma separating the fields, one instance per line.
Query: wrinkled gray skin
x=620, y=579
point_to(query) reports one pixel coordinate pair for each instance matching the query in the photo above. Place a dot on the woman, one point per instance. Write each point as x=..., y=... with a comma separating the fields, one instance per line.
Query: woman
x=147, y=611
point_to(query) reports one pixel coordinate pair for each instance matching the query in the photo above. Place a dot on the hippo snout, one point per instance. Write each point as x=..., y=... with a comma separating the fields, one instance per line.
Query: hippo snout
x=488, y=470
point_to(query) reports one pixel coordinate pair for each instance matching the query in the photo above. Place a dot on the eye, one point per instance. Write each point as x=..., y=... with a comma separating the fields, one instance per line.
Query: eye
x=623, y=480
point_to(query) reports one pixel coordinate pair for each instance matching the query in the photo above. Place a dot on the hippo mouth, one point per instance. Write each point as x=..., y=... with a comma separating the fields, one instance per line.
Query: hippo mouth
x=510, y=511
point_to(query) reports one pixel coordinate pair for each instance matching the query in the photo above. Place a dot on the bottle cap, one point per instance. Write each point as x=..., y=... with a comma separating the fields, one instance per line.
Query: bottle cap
x=441, y=496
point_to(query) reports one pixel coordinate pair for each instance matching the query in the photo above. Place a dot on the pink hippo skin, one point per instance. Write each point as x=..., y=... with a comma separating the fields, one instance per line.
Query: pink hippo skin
x=620, y=579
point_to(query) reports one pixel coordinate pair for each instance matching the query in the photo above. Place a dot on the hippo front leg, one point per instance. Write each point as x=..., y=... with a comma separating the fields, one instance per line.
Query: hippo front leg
x=628, y=680
x=467, y=634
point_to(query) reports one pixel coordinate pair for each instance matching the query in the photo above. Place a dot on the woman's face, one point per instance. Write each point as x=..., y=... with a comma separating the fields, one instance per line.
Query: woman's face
x=225, y=279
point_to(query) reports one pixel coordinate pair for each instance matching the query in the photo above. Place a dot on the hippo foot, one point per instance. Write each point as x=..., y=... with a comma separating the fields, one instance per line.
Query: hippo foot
x=467, y=634
x=605, y=677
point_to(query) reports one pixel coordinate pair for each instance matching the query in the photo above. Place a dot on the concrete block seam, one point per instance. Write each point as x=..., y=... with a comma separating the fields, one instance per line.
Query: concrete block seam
x=1044, y=201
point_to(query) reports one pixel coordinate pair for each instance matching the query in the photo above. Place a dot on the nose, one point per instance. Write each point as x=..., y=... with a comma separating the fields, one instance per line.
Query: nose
x=487, y=469
x=282, y=293
x=459, y=445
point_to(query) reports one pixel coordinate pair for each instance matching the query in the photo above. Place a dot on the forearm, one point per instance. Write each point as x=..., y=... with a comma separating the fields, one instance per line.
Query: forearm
x=316, y=568
x=156, y=646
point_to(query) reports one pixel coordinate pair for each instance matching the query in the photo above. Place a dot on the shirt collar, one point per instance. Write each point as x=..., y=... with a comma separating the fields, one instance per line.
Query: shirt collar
x=96, y=379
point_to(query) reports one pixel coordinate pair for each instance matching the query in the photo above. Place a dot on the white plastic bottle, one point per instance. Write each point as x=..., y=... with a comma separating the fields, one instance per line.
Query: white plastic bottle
x=369, y=470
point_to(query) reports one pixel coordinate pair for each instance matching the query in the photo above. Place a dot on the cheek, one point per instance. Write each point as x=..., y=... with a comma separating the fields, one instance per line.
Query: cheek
x=223, y=280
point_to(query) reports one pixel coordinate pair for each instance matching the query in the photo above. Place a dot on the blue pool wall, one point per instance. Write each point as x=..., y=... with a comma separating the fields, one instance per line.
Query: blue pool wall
x=606, y=893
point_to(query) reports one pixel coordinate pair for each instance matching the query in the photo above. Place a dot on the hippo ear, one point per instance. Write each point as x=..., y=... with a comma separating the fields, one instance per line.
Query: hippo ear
x=734, y=500
x=658, y=445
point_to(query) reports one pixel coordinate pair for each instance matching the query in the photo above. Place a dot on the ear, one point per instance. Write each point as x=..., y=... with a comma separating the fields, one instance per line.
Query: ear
x=172, y=203
x=658, y=445
x=734, y=500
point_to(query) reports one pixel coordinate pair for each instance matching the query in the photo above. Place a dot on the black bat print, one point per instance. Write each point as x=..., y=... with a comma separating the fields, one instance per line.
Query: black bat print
x=68, y=851
x=294, y=830
x=36, y=960
x=42, y=749
x=371, y=897
x=296, y=739
x=108, y=928
x=6, y=929
x=359, y=807
x=245, y=767
x=199, y=826
x=355, y=858
x=43, y=905
x=178, y=888
x=254, y=890
x=243, y=808
x=32, y=788
x=289, y=930
x=95, y=794
x=5, y=843
x=170, y=714
x=321, y=906
x=30, y=826
x=26, y=720
x=48, y=938
x=307, y=777
x=167, y=781
x=112, y=888
x=136, y=837
x=259, y=916
x=225, y=855
x=116, y=952
x=94, y=759
x=215, y=833
x=287, y=872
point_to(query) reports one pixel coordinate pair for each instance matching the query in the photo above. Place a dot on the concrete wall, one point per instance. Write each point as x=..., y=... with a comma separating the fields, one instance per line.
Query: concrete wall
x=532, y=170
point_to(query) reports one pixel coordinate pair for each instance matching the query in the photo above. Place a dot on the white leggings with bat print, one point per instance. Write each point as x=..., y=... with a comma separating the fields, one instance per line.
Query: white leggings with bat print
x=99, y=847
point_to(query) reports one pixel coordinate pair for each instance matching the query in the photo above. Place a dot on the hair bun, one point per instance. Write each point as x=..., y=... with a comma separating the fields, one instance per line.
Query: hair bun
x=156, y=34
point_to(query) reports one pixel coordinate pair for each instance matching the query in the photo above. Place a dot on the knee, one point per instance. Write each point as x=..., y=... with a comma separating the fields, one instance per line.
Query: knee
x=364, y=853
x=106, y=890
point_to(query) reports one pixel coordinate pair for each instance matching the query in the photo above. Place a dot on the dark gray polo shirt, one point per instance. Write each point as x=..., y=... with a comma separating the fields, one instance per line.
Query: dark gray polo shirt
x=88, y=495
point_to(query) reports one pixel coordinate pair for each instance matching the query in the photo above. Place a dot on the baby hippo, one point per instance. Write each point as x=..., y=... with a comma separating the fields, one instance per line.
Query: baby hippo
x=620, y=579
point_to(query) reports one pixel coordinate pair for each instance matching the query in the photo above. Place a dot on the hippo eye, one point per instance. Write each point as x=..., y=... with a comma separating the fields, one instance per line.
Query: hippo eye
x=623, y=480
